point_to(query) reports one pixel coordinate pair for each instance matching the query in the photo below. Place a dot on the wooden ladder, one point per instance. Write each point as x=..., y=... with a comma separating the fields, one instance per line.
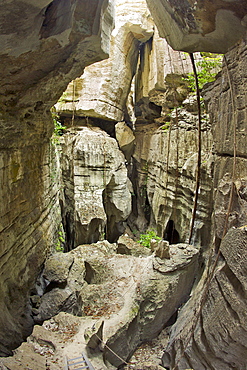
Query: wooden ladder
x=78, y=363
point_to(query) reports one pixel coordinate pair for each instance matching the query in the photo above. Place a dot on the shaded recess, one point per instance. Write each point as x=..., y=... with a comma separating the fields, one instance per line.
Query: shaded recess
x=170, y=233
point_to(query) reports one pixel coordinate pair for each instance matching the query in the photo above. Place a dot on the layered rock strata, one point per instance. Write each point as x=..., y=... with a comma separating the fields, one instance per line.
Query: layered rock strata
x=96, y=190
x=158, y=79
x=29, y=228
x=165, y=167
x=44, y=46
x=103, y=88
x=200, y=25
x=219, y=338
x=50, y=48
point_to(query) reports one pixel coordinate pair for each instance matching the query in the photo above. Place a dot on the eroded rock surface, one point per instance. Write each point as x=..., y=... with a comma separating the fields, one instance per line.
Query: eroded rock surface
x=29, y=227
x=200, y=25
x=44, y=45
x=103, y=89
x=219, y=340
x=128, y=297
x=97, y=198
x=165, y=165
x=41, y=51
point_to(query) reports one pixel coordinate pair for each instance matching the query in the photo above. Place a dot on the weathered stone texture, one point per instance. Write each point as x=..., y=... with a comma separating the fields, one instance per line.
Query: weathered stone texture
x=103, y=89
x=165, y=161
x=126, y=139
x=29, y=222
x=130, y=298
x=44, y=45
x=41, y=51
x=97, y=198
x=200, y=25
x=227, y=105
x=158, y=65
x=219, y=341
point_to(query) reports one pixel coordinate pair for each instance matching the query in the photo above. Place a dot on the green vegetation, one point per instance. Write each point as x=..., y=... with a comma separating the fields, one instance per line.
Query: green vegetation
x=207, y=69
x=58, y=127
x=60, y=240
x=166, y=126
x=146, y=238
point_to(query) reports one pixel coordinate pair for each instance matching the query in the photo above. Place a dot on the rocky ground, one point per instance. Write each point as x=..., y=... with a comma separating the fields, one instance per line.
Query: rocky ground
x=148, y=355
x=106, y=304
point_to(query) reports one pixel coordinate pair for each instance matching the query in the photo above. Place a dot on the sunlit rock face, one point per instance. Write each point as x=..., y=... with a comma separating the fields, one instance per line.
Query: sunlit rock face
x=221, y=322
x=96, y=189
x=44, y=45
x=200, y=25
x=159, y=87
x=103, y=89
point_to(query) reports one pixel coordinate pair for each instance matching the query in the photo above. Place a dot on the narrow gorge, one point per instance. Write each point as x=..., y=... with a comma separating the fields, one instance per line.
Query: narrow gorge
x=123, y=198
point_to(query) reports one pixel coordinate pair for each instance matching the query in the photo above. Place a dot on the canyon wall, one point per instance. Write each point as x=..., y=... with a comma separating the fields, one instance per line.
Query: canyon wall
x=44, y=46
x=212, y=334
x=163, y=173
x=47, y=45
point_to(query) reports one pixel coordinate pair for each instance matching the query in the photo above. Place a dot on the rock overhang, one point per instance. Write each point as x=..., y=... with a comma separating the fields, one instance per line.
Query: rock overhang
x=47, y=44
x=209, y=26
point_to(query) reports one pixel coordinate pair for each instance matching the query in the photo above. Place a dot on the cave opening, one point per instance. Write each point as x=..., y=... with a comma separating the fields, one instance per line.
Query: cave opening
x=170, y=233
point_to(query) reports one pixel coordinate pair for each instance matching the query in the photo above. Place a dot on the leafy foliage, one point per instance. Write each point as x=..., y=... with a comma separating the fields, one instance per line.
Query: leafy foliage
x=58, y=127
x=207, y=69
x=60, y=240
x=146, y=238
x=166, y=126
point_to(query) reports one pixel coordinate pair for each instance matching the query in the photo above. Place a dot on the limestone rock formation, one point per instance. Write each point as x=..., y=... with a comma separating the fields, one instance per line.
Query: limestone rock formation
x=219, y=338
x=126, y=245
x=131, y=295
x=126, y=139
x=158, y=81
x=103, y=89
x=44, y=45
x=164, y=177
x=200, y=25
x=97, y=198
x=24, y=245
x=41, y=52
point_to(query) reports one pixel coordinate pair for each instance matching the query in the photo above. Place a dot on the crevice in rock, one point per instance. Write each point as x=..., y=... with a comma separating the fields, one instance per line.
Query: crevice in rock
x=230, y=155
x=170, y=233
x=54, y=284
x=90, y=273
